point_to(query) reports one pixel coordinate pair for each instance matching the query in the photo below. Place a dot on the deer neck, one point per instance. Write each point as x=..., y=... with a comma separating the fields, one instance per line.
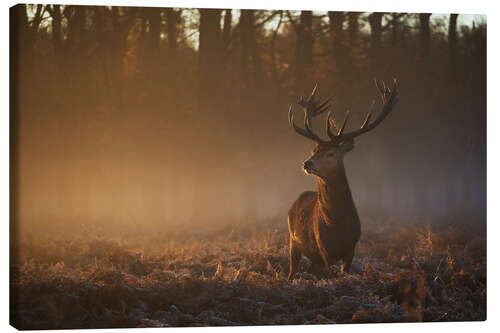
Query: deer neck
x=334, y=195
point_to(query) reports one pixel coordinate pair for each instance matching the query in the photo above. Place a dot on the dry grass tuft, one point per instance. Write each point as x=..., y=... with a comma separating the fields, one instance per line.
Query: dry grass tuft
x=238, y=277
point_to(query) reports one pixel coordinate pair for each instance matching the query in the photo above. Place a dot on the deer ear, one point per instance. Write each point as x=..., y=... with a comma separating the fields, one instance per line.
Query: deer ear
x=347, y=146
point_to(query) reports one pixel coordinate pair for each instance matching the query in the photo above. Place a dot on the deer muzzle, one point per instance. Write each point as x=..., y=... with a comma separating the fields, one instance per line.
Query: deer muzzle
x=308, y=167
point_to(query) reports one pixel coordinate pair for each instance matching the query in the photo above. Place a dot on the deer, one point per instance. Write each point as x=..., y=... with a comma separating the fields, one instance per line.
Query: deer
x=324, y=225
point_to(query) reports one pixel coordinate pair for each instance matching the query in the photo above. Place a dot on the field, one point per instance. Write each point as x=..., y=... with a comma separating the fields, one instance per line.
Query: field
x=238, y=276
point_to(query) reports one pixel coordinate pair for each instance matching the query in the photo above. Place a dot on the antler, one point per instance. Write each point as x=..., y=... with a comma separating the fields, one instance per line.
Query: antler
x=336, y=133
x=389, y=99
x=312, y=108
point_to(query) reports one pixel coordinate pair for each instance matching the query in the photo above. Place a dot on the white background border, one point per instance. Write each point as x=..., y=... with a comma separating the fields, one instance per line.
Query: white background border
x=432, y=6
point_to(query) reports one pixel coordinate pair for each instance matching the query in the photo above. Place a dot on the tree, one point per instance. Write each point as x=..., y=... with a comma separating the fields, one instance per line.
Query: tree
x=249, y=57
x=421, y=187
x=375, y=20
x=452, y=41
x=172, y=31
x=209, y=57
x=425, y=36
x=352, y=41
x=306, y=38
x=210, y=101
x=226, y=30
x=56, y=14
x=152, y=16
x=353, y=27
x=336, y=35
x=26, y=33
x=304, y=43
x=122, y=20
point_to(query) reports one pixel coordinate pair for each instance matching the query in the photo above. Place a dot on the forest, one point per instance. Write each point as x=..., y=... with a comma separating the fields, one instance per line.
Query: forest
x=135, y=106
x=142, y=137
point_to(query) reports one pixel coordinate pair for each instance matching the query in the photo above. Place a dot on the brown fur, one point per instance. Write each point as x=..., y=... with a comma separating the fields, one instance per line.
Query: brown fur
x=324, y=226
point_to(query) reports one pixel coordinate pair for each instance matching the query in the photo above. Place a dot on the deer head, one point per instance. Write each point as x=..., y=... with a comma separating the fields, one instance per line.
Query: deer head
x=328, y=155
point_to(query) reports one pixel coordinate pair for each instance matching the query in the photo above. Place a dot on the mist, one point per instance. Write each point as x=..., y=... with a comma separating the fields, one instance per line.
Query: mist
x=152, y=167
x=119, y=120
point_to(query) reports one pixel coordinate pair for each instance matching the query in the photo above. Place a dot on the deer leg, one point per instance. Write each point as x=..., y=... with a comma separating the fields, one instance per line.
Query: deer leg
x=294, y=259
x=347, y=262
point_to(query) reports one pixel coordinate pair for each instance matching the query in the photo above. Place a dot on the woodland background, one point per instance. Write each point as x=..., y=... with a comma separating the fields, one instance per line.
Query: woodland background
x=152, y=166
x=167, y=116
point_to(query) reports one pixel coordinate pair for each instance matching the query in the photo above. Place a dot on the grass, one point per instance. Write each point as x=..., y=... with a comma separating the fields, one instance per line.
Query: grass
x=237, y=276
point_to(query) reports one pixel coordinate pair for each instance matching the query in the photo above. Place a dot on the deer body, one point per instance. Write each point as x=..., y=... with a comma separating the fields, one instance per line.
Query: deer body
x=324, y=225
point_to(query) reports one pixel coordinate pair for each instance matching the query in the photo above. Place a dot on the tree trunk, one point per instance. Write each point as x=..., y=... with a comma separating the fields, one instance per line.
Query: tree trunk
x=336, y=22
x=210, y=100
x=423, y=174
x=172, y=20
x=425, y=36
x=151, y=59
x=56, y=15
x=353, y=28
x=307, y=37
x=394, y=28
x=250, y=64
x=304, y=51
x=352, y=40
x=452, y=41
x=209, y=58
x=226, y=32
x=122, y=24
x=246, y=23
x=375, y=20
x=76, y=19
x=153, y=16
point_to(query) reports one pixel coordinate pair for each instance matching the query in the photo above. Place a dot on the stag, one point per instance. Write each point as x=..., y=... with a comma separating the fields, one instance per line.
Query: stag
x=324, y=225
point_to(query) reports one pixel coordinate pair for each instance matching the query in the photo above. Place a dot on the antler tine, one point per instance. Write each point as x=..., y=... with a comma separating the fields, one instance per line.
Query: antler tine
x=389, y=99
x=307, y=120
x=308, y=127
x=368, y=115
x=311, y=109
x=292, y=123
x=330, y=122
x=315, y=107
x=307, y=132
x=324, y=105
x=383, y=90
x=334, y=124
x=380, y=86
x=313, y=93
x=341, y=130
